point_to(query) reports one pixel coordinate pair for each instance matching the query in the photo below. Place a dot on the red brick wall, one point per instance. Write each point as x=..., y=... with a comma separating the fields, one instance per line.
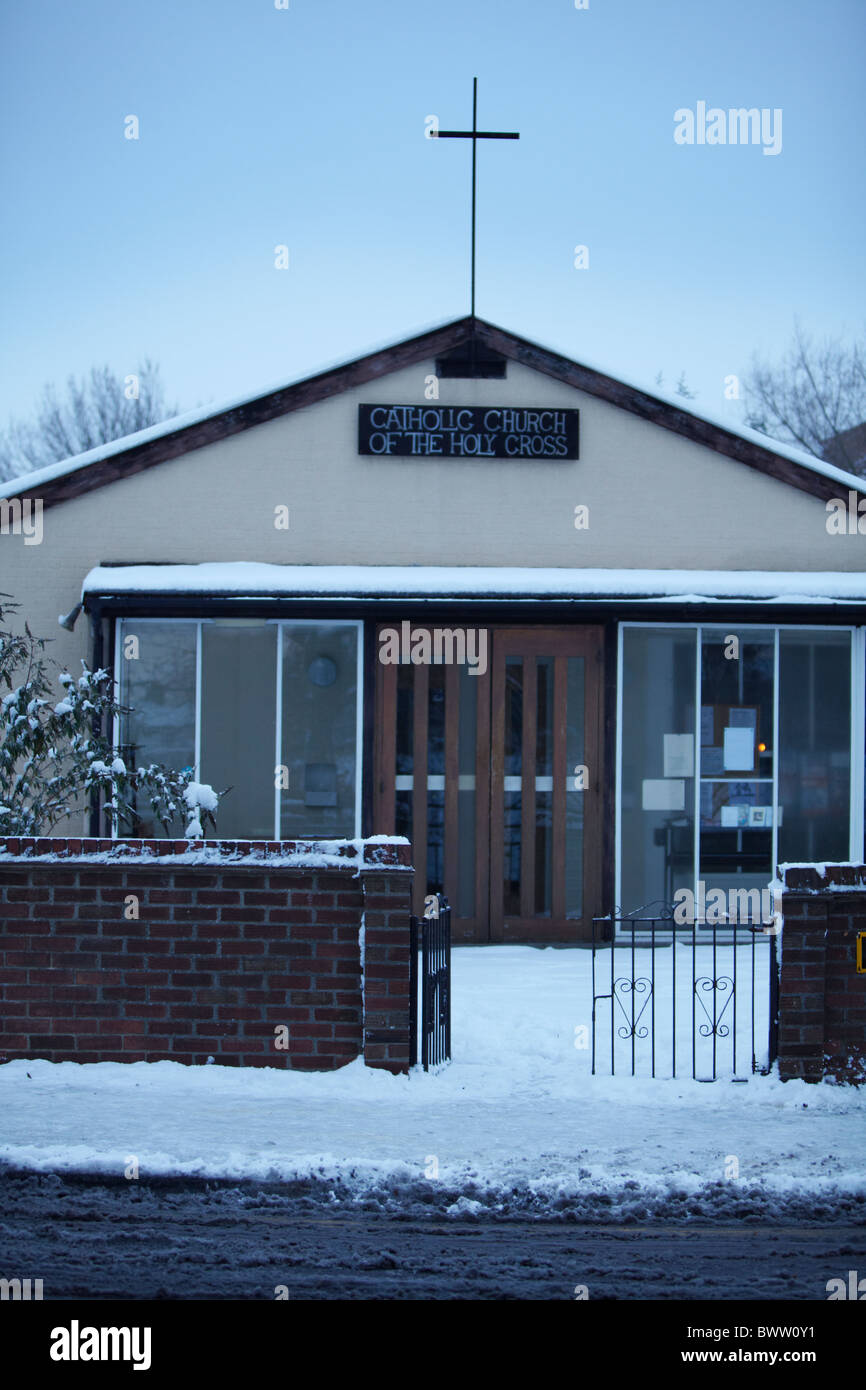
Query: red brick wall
x=822, y=999
x=222, y=954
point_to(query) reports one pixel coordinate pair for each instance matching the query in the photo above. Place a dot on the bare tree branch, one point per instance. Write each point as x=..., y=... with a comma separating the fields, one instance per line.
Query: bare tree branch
x=813, y=397
x=92, y=411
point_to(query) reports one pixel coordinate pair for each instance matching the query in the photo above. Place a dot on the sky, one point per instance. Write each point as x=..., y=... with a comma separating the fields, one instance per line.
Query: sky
x=304, y=127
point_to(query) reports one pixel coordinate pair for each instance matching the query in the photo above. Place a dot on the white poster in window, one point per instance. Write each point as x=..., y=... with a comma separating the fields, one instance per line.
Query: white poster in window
x=679, y=755
x=664, y=794
x=739, y=750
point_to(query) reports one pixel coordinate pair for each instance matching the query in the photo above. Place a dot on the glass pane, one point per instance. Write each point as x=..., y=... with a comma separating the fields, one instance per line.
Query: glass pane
x=436, y=770
x=157, y=683
x=543, y=792
x=658, y=685
x=466, y=805
x=405, y=716
x=574, y=798
x=403, y=813
x=814, y=746
x=513, y=696
x=736, y=755
x=405, y=759
x=238, y=724
x=319, y=729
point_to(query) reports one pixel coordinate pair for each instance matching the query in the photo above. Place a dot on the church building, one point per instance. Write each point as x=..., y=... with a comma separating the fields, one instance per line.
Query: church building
x=582, y=646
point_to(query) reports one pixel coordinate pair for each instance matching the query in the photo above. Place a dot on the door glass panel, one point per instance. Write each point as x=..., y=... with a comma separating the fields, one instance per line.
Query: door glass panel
x=657, y=802
x=574, y=797
x=543, y=785
x=466, y=793
x=815, y=746
x=436, y=780
x=513, y=759
x=319, y=729
x=238, y=724
x=736, y=755
x=405, y=761
x=456, y=703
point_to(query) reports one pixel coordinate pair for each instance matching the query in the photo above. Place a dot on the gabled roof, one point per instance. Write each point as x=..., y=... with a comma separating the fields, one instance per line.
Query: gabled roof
x=123, y=457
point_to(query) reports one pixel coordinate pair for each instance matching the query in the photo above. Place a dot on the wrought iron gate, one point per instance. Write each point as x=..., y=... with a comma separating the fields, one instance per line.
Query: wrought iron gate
x=435, y=1012
x=653, y=970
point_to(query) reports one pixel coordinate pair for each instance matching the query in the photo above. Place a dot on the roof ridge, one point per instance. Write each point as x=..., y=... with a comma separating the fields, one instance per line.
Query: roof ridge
x=195, y=429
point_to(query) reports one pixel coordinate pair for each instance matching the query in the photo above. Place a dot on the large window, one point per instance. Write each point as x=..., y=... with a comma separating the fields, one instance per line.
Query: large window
x=657, y=808
x=814, y=746
x=735, y=755
x=268, y=712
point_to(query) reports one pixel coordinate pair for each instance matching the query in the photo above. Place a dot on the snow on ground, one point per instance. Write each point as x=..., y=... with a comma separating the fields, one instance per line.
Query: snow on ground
x=516, y=1122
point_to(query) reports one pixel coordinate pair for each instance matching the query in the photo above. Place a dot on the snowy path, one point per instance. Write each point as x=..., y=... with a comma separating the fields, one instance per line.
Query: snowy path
x=515, y=1123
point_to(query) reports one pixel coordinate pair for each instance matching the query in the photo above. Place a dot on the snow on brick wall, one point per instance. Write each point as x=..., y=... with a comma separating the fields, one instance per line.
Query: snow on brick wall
x=246, y=953
x=822, y=998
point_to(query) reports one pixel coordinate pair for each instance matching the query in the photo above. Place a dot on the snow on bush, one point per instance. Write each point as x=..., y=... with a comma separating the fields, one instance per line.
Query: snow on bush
x=53, y=755
x=199, y=797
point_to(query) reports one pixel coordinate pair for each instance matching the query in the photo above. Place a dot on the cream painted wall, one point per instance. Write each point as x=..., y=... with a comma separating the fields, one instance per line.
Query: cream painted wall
x=655, y=500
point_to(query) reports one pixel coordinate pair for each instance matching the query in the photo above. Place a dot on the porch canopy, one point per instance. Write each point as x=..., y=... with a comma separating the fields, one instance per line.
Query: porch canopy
x=245, y=580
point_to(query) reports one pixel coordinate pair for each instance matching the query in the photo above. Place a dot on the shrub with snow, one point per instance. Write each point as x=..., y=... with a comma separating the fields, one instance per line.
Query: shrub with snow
x=53, y=755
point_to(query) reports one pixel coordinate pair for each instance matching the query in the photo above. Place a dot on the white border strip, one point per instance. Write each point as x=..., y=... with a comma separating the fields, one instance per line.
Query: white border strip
x=858, y=742
x=774, y=842
x=617, y=834
x=278, y=735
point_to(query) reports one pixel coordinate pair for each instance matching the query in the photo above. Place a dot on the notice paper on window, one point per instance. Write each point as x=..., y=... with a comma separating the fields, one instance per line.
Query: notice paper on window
x=679, y=755
x=739, y=750
x=664, y=794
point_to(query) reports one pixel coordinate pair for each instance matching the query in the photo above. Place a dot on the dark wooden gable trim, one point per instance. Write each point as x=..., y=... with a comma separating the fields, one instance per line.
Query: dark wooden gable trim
x=421, y=348
x=255, y=412
x=662, y=413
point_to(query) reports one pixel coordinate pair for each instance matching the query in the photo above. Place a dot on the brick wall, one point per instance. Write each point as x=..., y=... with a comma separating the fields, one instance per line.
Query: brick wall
x=822, y=999
x=227, y=947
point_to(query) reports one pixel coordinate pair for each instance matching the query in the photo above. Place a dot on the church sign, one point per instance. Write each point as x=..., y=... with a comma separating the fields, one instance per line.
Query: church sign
x=451, y=431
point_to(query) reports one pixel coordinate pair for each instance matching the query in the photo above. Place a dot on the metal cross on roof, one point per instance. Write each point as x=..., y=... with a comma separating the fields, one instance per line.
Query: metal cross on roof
x=475, y=135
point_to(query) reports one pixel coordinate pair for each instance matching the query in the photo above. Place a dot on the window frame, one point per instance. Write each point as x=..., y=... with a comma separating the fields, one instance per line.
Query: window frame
x=856, y=733
x=280, y=624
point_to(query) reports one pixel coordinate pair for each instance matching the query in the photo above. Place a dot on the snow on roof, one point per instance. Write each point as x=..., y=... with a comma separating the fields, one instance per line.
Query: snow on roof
x=251, y=579
x=194, y=417
x=182, y=422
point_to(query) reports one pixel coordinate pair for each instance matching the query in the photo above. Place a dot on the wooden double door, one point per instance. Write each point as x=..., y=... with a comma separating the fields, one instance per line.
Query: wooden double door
x=492, y=767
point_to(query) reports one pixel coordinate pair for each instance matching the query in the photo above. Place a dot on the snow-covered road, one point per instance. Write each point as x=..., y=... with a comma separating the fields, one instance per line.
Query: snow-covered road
x=517, y=1122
